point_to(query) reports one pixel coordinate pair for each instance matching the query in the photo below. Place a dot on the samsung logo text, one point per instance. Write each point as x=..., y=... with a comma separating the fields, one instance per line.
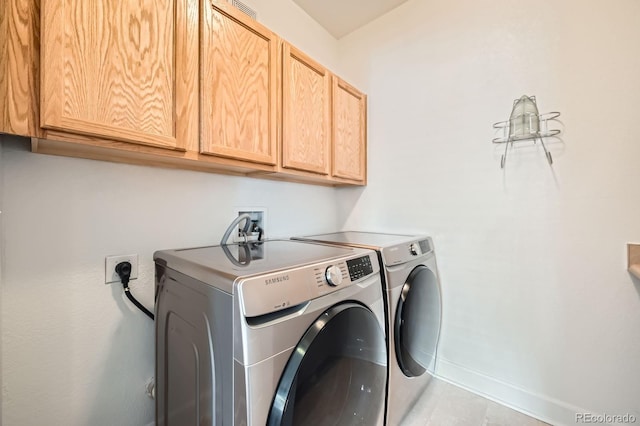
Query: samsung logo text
x=276, y=280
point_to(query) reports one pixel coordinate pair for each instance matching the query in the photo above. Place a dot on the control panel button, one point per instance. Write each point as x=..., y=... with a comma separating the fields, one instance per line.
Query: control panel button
x=413, y=249
x=333, y=274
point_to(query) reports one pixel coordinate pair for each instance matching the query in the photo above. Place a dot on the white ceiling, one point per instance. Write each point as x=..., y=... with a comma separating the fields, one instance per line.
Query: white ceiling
x=340, y=17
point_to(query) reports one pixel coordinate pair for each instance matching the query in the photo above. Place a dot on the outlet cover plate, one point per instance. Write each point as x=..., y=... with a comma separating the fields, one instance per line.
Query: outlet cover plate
x=110, y=275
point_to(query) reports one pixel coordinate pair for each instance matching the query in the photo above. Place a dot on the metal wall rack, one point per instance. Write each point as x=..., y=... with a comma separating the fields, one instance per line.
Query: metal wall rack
x=526, y=124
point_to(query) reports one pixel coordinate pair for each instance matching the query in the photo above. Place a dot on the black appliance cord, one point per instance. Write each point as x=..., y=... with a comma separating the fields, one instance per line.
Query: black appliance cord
x=123, y=269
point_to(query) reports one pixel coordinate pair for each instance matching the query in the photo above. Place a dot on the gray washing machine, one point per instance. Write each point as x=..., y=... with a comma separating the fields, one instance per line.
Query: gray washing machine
x=413, y=310
x=271, y=333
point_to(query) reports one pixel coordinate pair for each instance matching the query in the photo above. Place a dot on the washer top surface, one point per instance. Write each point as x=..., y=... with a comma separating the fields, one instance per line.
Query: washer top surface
x=362, y=239
x=232, y=261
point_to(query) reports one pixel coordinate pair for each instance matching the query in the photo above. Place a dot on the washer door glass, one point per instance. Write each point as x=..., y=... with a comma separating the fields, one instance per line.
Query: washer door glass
x=337, y=374
x=417, y=323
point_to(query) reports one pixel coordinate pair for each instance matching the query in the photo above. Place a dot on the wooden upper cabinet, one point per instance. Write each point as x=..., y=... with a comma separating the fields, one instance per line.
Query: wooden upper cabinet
x=200, y=83
x=349, y=132
x=238, y=86
x=306, y=113
x=121, y=70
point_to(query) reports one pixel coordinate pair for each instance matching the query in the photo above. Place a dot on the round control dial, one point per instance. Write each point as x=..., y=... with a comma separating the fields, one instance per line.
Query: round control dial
x=333, y=274
x=413, y=249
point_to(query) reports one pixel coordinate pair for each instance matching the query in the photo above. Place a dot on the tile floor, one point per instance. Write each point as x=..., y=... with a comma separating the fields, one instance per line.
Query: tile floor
x=444, y=404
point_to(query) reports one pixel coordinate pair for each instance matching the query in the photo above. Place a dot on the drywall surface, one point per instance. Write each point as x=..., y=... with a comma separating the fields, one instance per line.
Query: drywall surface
x=75, y=351
x=539, y=310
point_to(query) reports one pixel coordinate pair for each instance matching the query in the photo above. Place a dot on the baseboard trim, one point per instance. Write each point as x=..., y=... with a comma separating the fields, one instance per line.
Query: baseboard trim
x=541, y=407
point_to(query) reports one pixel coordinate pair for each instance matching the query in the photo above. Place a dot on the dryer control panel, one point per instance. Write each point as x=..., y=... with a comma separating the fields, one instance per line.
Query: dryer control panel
x=405, y=252
x=274, y=292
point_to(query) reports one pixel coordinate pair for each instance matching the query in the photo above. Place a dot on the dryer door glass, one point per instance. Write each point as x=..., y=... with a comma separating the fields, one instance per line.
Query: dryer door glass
x=417, y=323
x=337, y=374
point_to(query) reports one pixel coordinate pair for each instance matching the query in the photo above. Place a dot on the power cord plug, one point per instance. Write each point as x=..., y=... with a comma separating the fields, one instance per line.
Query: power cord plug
x=123, y=269
x=256, y=228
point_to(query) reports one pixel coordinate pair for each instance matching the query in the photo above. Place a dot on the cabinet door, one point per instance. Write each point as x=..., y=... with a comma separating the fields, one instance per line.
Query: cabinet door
x=349, y=132
x=121, y=70
x=306, y=113
x=239, y=86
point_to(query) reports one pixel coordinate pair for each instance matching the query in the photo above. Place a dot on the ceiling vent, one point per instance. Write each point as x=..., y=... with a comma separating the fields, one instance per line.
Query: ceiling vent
x=244, y=8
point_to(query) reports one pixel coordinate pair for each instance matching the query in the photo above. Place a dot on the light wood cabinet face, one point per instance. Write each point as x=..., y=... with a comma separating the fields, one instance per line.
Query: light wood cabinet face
x=19, y=67
x=111, y=69
x=306, y=113
x=349, y=132
x=238, y=86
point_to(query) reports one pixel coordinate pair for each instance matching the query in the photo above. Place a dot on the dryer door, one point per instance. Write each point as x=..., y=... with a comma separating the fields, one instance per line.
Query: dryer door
x=337, y=374
x=417, y=323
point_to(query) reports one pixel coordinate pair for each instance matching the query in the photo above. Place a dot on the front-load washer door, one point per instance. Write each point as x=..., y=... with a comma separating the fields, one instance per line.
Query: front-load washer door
x=337, y=374
x=417, y=323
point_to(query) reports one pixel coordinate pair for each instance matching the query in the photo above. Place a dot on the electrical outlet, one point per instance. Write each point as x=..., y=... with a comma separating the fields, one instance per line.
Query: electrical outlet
x=258, y=217
x=110, y=274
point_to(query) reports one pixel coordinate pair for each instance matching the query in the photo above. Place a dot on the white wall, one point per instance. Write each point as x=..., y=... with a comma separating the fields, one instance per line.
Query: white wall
x=539, y=311
x=74, y=350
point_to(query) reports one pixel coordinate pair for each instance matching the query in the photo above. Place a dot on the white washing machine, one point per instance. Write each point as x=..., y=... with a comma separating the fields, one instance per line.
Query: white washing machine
x=272, y=333
x=413, y=311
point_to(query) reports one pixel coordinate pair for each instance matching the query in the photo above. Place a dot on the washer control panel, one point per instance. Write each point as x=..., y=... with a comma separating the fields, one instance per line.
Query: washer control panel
x=359, y=267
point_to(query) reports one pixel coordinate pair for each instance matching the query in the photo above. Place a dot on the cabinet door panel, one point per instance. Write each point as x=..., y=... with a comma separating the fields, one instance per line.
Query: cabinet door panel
x=19, y=67
x=110, y=69
x=306, y=132
x=239, y=86
x=349, y=132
